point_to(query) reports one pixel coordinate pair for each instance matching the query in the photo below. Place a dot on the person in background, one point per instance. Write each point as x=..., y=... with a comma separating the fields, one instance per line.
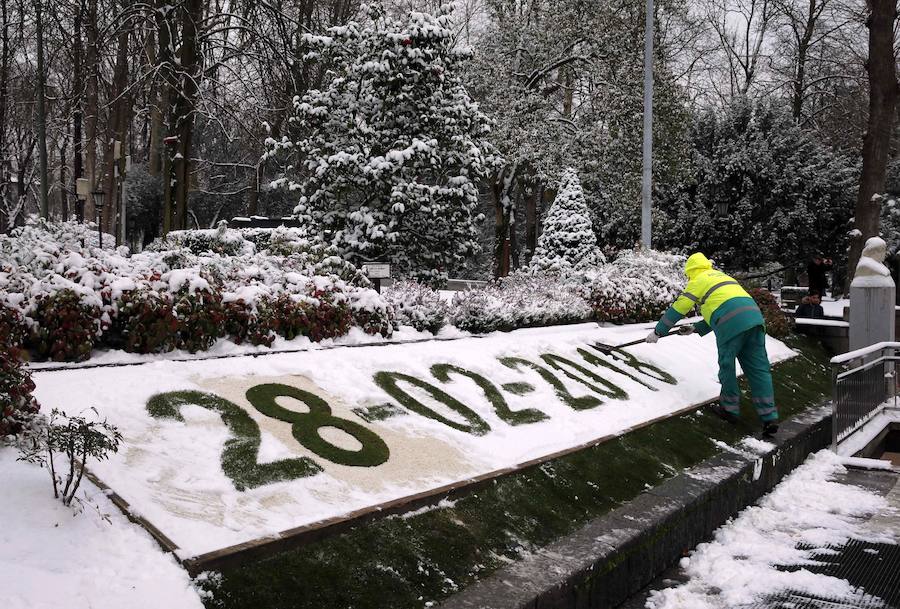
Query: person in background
x=730, y=312
x=810, y=307
x=817, y=274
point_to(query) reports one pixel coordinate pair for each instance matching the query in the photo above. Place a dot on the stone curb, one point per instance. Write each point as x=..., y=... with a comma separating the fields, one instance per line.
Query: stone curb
x=617, y=555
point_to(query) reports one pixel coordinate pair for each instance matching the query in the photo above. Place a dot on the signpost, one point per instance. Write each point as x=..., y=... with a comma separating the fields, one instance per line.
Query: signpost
x=376, y=271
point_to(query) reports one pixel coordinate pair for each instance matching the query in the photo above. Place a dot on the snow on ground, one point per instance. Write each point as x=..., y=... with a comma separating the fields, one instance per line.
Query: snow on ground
x=835, y=308
x=170, y=471
x=740, y=565
x=52, y=557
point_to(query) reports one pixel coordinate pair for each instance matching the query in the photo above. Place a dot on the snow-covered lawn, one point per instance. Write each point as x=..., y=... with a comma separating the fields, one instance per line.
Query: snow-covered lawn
x=53, y=558
x=550, y=397
x=740, y=565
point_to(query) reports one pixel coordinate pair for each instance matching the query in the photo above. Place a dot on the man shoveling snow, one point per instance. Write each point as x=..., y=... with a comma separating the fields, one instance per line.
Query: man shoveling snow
x=730, y=312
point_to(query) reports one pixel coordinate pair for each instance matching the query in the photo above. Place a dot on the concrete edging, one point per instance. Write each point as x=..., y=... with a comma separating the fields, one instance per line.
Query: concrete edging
x=616, y=555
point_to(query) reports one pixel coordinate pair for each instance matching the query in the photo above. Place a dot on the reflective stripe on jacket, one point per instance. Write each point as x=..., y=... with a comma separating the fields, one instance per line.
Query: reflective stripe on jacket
x=725, y=306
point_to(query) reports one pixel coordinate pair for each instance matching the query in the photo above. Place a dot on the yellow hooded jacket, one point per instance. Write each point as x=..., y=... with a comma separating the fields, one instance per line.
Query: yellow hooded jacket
x=725, y=306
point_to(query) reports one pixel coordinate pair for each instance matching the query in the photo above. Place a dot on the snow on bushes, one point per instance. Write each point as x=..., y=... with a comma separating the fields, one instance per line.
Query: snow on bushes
x=567, y=241
x=520, y=300
x=184, y=292
x=418, y=305
x=637, y=286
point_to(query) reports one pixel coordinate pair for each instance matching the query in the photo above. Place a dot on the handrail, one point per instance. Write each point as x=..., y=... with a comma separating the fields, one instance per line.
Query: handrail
x=864, y=351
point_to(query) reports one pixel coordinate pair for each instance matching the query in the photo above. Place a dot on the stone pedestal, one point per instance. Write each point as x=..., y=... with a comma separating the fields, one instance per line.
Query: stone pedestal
x=872, y=318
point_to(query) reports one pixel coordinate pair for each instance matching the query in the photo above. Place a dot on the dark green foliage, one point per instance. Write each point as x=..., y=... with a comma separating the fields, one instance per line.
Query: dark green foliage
x=144, y=323
x=787, y=194
x=582, y=403
x=643, y=367
x=519, y=388
x=66, y=328
x=17, y=405
x=200, y=318
x=389, y=382
x=378, y=412
x=305, y=426
x=240, y=452
x=566, y=366
x=79, y=439
x=442, y=373
x=405, y=562
x=777, y=323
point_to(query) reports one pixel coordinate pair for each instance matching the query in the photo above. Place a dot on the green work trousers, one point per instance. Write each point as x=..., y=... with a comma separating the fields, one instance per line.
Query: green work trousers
x=749, y=348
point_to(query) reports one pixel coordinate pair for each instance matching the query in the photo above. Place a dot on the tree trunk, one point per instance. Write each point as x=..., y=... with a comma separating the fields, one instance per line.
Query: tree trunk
x=92, y=108
x=63, y=199
x=158, y=99
x=183, y=109
x=40, y=98
x=164, y=14
x=4, y=95
x=253, y=193
x=876, y=146
x=117, y=130
x=77, y=113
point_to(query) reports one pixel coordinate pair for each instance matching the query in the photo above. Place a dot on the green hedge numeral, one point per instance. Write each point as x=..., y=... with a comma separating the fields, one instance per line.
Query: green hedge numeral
x=596, y=360
x=582, y=403
x=240, y=452
x=389, y=382
x=442, y=373
x=305, y=426
x=642, y=367
x=602, y=387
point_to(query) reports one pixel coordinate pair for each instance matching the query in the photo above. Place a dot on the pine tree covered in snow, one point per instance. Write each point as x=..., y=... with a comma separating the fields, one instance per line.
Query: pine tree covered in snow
x=567, y=241
x=390, y=150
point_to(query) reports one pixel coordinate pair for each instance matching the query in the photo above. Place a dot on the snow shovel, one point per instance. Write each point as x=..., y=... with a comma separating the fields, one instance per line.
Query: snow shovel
x=607, y=348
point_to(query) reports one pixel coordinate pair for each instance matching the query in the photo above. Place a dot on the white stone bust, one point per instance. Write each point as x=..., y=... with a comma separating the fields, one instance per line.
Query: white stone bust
x=871, y=271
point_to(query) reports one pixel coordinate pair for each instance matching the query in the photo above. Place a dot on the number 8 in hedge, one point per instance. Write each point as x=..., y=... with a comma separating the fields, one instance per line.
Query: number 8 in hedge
x=305, y=426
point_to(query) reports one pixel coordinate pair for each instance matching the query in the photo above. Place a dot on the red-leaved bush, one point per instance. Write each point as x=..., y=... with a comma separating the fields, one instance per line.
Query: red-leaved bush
x=145, y=322
x=66, y=329
x=13, y=330
x=777, y=324
x=245, y=323
x=200, y=316
x=17, y=405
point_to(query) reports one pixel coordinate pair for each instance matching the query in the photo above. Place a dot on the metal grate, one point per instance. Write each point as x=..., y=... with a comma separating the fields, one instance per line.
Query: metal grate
x=873, y=569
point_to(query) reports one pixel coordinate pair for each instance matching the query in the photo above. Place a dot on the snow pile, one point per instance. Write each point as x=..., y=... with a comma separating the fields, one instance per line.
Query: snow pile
x=637, y=286
x=50, y=275
x=50, y=557
x=567, y=242
x=740, y=565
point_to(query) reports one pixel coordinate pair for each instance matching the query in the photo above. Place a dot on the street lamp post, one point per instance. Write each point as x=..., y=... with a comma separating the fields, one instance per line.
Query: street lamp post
x=98, y=205
x=647, y=170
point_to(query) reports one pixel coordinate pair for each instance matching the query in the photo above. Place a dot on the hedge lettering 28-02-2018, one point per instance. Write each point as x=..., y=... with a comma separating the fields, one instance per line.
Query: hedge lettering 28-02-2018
x=239, y=455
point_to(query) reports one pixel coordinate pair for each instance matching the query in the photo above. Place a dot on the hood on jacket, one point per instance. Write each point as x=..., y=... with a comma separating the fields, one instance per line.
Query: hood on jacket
x=696, y=264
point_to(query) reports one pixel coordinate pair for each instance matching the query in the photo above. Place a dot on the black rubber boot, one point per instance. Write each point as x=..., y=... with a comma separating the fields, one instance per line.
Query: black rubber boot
x=770, y=428
x=724, y=414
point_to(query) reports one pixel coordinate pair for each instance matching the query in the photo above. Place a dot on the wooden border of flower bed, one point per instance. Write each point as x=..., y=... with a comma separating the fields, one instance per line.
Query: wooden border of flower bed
x=261, y=547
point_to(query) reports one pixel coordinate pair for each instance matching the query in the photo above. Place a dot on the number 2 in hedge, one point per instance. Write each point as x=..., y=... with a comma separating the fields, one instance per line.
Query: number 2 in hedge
x=305, y=426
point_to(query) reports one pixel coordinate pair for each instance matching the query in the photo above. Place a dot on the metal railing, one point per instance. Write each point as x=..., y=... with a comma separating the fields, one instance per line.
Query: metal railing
x=864, y=383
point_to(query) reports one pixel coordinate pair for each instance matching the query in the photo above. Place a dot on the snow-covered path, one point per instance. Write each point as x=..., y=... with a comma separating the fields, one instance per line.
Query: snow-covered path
x=54, y=558
x=808, y=509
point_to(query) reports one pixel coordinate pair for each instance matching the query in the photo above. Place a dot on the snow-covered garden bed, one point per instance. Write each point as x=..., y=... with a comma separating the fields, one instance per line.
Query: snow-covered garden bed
x=222, y=451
